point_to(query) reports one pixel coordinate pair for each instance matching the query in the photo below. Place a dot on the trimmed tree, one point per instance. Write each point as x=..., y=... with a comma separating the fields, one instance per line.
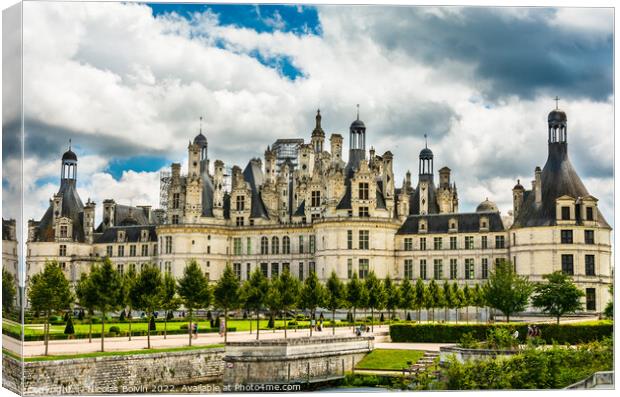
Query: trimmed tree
x=465, y=295
x=226, y=294
x=419, y=298
x=407, y=296
x=506, y=291
x=107, y=289
x=558, y=296
x=49, y=292
x=193, y=289
x=355, y=294
x=254, y=293
x=146, y=295
x=448, y=299
x=169, y=299
x=458, y=299
x=376, y=296
x=87, y=300
x=288, y=290
x=433, y=297
x=335, y=296
x=128, y=279
x=477, y=299
x=312, y=295
x=8, y=291
x=392, y=297
x=69, y=329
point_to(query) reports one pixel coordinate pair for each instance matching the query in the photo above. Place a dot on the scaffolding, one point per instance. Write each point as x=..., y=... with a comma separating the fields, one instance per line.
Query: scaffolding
x=164, y=185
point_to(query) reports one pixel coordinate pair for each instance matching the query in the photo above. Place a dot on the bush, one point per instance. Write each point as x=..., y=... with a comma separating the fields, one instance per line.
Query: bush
x=572, y=333
x=501, y=338
x=115, y=329
x=183, y=327
x=292, y=323
x=468, y=341
x=381, y=319
x=408, y=316
x=169, y=315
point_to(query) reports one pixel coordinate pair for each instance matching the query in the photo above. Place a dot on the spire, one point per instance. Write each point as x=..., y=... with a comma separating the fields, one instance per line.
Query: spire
x=69, y=143
x=425, y=141
x=358, y=111
x=200, y=124
x=557, y=99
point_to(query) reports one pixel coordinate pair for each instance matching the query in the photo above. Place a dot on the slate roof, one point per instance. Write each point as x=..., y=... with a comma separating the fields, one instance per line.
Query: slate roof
x=207, y=195
x=254, y=176
x=301, y=210
x=72, y=208
x=126, y=215
x=414, y=199
x=438, y=223
x=132, y=234
x=7, y=224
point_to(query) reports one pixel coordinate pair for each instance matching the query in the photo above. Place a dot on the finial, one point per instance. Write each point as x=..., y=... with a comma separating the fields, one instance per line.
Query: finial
x=557, y=99
x=425, y=141
x=201, y=124
x=518, y=181
x=358, y=111
x=69, y=143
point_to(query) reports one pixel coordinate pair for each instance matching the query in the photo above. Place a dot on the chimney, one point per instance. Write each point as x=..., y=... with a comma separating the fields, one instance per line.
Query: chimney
x=538, y=187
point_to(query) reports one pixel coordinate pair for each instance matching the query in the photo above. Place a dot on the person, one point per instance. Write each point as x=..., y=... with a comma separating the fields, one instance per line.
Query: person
x=195, y=331
x=312, y=323
x=222, y=326
x=358, y=330
x=530, y=331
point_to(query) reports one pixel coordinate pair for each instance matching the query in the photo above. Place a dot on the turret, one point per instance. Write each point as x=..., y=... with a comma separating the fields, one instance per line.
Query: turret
x=109, y=207
x=270, y=166
x=335, y=142
x=89, y=221
x=318, y=135
x=517, y=198
x=538, y=185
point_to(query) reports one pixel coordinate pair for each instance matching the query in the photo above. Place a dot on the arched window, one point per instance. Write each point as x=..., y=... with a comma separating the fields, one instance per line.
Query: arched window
x=264, y=245
x=275, y=245
x=286, y=245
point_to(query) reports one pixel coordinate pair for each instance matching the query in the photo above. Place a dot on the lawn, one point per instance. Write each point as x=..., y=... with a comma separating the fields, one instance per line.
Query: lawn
x=389, y=359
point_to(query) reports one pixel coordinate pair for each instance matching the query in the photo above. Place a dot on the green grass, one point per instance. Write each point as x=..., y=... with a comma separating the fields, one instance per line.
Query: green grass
x=389, y=359
x=110, y=353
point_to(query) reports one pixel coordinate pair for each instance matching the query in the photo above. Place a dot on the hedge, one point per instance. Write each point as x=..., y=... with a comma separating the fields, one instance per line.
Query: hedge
x=572, y=333
x=94, y=335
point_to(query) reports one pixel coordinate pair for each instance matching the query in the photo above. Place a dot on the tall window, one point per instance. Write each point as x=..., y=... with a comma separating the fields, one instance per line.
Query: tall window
x=484, y=242
x=275, y=245
x=363, y=239
x=62, y=250
x=590, y=299
x=175, y=200
x=240, y=203
x=63, y=231
x=108, y=250
x=286, y=267
x=239, y=221
x=275, y=270
x=168, y=267
x=248, y=271
x=121, y=250
x=350, y=239
x=589, y=213
x=453, y=269
x=145, y=250
x=438, y=269
x=423, y=269
x=588, y=236
x=175, y=219
x=485, y=268
x=469, y=242
x=248, y=245
x=132, y=267
x=363, y=212
x=422, y=243
x=132, y=250
x=120, y=268
x=437, y=243
x=312, y=244
x=469, y=269
x=311, y=267
x=363, y=268
x=286, y=245
x=301, y=244
x=409, y=269
x=408, y=244
x=316, y=198
x=499, y=242
x=237, y=246
x=363, y=191
x=453, y=245
x=264, y=245
x=565, y=213
x=349, y=268
x=301, y=270
x=566, y=236
x=590, y=265
x=168, y=244
x=567, y=264
x=264, y=268
x=237, y=270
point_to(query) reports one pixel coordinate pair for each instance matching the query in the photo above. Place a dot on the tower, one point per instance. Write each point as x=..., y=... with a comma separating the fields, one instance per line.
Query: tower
x=426, y=178
x=357, y=144
x=318, y=135
x=68, y=168
x=335, y=142
x=270, y=165
x=557, y=125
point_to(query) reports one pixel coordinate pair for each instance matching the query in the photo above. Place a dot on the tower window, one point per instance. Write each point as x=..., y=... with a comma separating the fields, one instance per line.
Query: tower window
x=363, y=268
x=316, y=198
x=566, y=236
x=175, y=219
x=363, y=211
x=350, y=239
x=363, y=191
x=63, y=231
x=240, y=203
x=62, y=251
x=590, y=299
x=589, y=236
x=175, y=200
x=567, y=264
x=408, y=271
x=590, y=265
x=168, y=244
x=363, y=239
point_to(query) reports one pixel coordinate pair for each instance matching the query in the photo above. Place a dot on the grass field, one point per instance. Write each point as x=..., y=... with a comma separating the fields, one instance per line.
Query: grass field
x=389, y=359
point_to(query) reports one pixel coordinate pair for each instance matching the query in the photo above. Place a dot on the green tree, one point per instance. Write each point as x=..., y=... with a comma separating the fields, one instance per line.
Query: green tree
x=194, y=291
x=407, y=296
x=146, y=294
x=419, y=301
x=226, y=294
x=8, y=291
x=169, y=299
x=355, y=294
x=336, y=293
x=87, y=300
x=462, y=299
x=477, y=299
x=312, y=295
x=558, y=296
x=273, y=301
x=254, y=294
x=506, y=291
x=609, y=308
x=376, y=296
x=107, y=290
x=392, y=296
x=49, y=292
x=288, y=288
x=69, y=329
x=447, y=299
x=128, y=280
x=434, y=297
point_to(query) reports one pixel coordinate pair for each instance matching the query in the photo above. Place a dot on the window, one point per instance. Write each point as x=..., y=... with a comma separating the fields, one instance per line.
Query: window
x=589, y=213
x=132, y=250
x=248, y=245
x=363, y=212
x=485, y=268
x=363, y=191
x=154, y=249
x=209, y=249
x=469, y=242
x=409, y=269
x=499, y=242
x=240, y=203
x=590, y=265
x=311, y=267
x=175, y=219
x=408, y=244
x=264, y=245
x=422, y=243
x=349, y=268
x=239, y=221
x=566, y=236
x=237, y=246
x=453, y=269
x=438, y=269
x=590, y=299
x=363, y=268
x=312, y=244
x=363, y=239
x=275, y=245
x=437, y=242
x=423, y=269
x=275, y=270
x=248, y=271
x=286, y=267
x=264, y=268
x=63, y=231
x=120, y=268
x=315, y=198
x=589, y=236
x=108, y=250
x=286, y=245
x=469, y=269
x=565, y=213
x=121, y=250
x=301, y=270
x=567, y=264
x=132, y=267
x=350, y=239
x=485, y=242
x=453, y=244
x=175, y=200
x=301, y=244
x=168, y=267
x=168, y=244
x=62, y=251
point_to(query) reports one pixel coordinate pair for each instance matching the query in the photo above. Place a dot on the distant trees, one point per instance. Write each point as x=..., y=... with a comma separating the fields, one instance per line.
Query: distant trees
x=169, y=298
x=355, y=294
x=558, y=296
x=312, y=295
x=392, y=296
x=128, y=281
x=8, y=291
x=194, y=291
x=226, y=294
x=254, y=294
x=376, y=296
x=419, y=300
x=506, y=290
x=407, y=296
x=106, y=288
x=335, y=297
x=146, y=294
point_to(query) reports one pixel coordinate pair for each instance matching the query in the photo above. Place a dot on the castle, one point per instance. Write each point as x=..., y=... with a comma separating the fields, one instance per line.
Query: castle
x=320, y=213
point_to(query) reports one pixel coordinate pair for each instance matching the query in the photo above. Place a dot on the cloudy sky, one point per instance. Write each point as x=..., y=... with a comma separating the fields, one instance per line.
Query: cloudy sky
x=128, y=83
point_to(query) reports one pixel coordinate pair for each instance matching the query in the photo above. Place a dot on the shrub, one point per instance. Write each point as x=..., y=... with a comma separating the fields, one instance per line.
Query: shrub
x=183, y=326
x=501, y=338
x=115, y=329
x=408, y=316
x=292, y=323
x=169, y=315
x=468, y=341
x=381, y=319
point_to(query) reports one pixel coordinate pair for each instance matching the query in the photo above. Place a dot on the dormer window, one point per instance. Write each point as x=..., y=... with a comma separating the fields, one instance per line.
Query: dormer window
x=363, y=191
x=589, y=213
x=144, y=235
x=565, y=213
x=422, y=226
x=484, y=223
x=63, y=231
x=453, y=225
x=121, y=236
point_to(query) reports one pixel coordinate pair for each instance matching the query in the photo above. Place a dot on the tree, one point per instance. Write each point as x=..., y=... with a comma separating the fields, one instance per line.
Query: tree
x=169, y=299
x=194, y=291
x=355, y=294
x=312, y=295
x=477, y=299
x=107, y=288
x=226, y=294
x=609, y=308
x=506, y=291
x=392, y=296
x=335, y=296
x=419, y=294
x=8, y=291
x=87, y=300
x=146, y=294
x=407, y=296
x=448, y=299
x=376, y=296
x=273, y=302
x=465, y=295
x=69, y=330
x=128, y=279
x=288, y=288
x=558, y=296
x=254, y=293
x=434, y=297
x=49, y=292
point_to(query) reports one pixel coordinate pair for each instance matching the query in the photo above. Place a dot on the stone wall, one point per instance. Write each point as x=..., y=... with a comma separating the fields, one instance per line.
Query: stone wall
x=141, y=373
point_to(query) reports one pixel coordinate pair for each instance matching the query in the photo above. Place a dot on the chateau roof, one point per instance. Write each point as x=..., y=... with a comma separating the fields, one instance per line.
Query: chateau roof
x=132, y=234
x=439, y=223
x=254, y=176
x=72, y=208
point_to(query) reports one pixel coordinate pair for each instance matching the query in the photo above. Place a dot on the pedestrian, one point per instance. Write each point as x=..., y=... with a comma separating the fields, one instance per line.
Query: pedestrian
x=195, y=331
x=222, y=326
